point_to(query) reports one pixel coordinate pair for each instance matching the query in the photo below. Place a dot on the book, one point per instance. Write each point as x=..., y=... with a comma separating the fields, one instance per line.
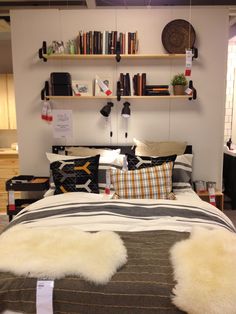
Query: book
x=82, y=88
x=143, y=83
x=108, y=81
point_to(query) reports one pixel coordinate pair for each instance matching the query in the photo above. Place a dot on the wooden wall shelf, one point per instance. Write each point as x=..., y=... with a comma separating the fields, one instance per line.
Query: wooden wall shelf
x=115, y=97
x=112, y=57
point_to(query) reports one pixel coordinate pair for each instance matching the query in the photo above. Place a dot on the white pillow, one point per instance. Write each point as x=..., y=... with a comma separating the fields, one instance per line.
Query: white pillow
x=109, y=158
x=147, y=148
x=109, y=154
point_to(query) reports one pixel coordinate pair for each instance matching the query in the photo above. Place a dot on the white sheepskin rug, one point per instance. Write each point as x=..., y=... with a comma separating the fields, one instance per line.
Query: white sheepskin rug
x=57, y=252
x=205, y=272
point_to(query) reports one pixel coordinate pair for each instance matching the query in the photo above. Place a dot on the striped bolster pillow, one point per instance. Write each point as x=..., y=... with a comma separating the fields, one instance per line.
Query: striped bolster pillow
x=182, y=172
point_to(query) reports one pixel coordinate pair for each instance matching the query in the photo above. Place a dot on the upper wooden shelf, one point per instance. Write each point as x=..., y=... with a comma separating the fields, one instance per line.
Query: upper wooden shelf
x=122, y=97
x=113, y=57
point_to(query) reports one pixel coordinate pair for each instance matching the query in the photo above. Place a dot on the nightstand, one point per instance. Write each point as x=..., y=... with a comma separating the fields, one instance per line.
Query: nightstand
x=204, y=195
x=26, y=184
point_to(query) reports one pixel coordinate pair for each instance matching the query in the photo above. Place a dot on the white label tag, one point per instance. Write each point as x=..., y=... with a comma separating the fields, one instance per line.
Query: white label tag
x=212, y=196
x=188, y=91
x=44, y=297
x=188, y=66
x=108, y=182
x=211, y=191
x=11, y=200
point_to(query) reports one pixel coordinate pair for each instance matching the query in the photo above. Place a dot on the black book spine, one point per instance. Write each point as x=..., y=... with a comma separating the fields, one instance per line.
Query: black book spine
x=115, y=41
x=81, y=42
x=109, y=43
x=135, y=84
x=122, y=84
x=87, y=43
x=143, y=83
x=127, y=79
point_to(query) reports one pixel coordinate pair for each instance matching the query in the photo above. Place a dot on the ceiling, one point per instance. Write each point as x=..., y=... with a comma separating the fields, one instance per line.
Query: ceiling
x=16, y=4
x=6, y=6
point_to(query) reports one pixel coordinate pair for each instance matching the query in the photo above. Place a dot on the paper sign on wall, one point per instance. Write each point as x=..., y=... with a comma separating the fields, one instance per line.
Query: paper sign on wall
x=62, y=123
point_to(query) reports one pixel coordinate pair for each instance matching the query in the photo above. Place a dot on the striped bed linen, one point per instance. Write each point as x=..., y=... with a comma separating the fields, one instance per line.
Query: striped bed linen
x=148, y=228
x=121, y=215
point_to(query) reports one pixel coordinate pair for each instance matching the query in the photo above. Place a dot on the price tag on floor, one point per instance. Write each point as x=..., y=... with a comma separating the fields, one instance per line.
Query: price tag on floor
x=44, y=297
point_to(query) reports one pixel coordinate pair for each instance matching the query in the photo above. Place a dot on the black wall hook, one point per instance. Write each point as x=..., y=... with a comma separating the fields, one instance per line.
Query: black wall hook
x=195, y=52
x=45, y=91
x=42, y=51
x=194, y=91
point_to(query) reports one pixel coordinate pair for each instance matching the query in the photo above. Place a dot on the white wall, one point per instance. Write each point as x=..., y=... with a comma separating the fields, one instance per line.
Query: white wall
x=199, y=122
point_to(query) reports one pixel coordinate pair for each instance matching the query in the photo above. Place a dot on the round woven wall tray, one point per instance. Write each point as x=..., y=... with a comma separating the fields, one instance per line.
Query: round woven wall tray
x=175, y=36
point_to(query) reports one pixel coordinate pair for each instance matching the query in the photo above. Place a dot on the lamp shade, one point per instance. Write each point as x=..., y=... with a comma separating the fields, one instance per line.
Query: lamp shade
x=126, y=112
x=106, y=110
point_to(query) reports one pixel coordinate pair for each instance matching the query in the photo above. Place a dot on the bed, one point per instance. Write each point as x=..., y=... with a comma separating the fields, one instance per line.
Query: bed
x=148, y=228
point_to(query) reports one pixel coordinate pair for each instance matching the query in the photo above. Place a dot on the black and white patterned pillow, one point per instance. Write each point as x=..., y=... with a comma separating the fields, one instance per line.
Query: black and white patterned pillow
x=182, y=171
x=76, y=175
x=139, y=162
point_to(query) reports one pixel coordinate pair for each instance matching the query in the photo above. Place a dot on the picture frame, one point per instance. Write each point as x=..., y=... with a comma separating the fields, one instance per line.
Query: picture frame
x=82, y=88
x=108, y=81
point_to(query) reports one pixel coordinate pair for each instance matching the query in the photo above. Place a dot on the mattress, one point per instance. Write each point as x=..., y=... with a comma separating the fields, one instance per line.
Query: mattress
x=148, y=228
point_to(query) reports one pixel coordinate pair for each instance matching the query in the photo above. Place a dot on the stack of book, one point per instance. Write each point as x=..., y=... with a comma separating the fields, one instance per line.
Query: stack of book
x=139, y=83
x=130, y=86
x=136, y=86
x=157, y=90
x=96, y=42
x=126, y=88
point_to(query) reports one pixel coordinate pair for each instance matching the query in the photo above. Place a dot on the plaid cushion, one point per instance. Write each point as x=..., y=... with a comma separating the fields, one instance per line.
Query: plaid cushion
x=152, y=182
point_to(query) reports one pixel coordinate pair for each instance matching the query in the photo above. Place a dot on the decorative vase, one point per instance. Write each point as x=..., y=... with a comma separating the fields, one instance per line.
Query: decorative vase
x=179, y=90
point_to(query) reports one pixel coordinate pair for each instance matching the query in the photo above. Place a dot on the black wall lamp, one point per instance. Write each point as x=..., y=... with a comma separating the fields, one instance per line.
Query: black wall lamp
x=106, y=110
x=126, y=112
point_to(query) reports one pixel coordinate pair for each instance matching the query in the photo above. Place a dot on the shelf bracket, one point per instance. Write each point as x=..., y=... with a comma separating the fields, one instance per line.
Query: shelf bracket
x=195, y=52
x=118, y=91
x=118, y=57
x=45, y=91
x=194, y=91
x=42, y=51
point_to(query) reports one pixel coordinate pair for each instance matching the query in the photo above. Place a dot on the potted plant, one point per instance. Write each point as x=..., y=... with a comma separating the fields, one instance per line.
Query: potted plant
x=179, y=82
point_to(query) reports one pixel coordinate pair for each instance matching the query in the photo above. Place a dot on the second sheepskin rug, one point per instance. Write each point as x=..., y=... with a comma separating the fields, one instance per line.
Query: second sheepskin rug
x=205, y=272
x=57, y=252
